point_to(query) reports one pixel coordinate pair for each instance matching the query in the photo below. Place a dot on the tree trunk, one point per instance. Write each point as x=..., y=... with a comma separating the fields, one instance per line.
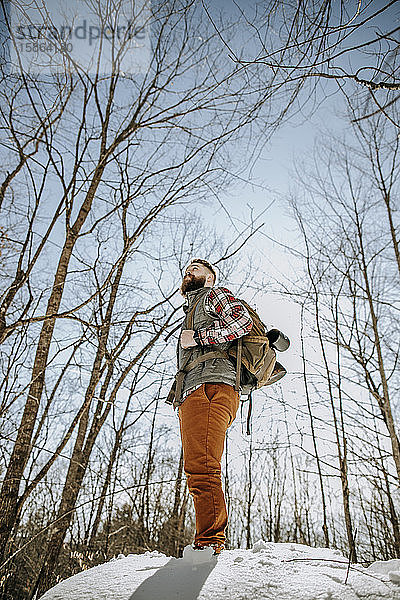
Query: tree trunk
x=387, y=409
x=314, y=438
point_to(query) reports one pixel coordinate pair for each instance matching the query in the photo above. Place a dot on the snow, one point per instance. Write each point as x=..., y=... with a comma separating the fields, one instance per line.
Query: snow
x=391, y=568
x=268, y=571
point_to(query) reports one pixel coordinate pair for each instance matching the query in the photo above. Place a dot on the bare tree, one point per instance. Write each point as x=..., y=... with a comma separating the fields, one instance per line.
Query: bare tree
x=159, y=150
x=351, y=240
x=327, y=46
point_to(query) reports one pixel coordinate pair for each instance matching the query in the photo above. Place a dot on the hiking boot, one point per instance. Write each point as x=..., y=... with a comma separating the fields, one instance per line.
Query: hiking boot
x=217, y=547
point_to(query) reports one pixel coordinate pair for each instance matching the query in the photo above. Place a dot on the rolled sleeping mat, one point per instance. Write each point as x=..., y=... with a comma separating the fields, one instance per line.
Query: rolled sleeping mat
x=278, y=340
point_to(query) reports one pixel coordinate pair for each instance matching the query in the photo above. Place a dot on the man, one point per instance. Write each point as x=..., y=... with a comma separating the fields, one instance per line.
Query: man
x=206, y=394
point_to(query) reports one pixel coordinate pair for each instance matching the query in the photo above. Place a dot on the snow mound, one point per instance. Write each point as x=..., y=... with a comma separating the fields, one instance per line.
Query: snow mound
x=268, y=571
x=391, y=568
x=385, y=567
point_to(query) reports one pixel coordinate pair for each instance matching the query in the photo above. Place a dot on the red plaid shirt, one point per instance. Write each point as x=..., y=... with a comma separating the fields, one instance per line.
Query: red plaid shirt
x=233, y=320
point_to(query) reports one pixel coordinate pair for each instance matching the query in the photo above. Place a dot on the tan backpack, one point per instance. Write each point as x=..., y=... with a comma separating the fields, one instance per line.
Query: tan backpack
x=255, y=355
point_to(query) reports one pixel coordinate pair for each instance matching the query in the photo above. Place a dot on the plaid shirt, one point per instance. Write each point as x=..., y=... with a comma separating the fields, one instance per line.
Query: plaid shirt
x=233, y=320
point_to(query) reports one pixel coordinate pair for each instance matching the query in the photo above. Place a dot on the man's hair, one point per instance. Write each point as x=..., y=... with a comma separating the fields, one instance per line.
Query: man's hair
x=209, y=266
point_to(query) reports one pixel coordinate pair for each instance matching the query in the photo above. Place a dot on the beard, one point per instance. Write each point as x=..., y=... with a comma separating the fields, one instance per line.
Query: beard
x=191, y=282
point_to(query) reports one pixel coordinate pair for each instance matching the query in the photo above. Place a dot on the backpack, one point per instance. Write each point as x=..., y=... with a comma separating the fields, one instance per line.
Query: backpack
x=255, y=355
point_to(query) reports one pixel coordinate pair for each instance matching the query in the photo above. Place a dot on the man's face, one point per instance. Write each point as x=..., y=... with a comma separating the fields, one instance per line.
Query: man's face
x=194, y=278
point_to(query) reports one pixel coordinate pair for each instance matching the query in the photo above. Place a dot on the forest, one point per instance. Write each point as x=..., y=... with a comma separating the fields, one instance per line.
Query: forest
x=108, y=188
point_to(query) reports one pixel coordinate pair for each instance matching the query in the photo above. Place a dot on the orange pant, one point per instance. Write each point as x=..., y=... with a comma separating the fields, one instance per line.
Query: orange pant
x=204, y=417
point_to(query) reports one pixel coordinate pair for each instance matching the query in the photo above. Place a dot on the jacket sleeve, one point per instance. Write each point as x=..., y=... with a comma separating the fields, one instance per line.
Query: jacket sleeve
x=232, y=319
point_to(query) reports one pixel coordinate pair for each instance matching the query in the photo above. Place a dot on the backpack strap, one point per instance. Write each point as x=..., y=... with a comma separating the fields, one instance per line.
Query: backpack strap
x=256, y=339
x=249, y=413
x=190, y=318
x=250, y=410
x=238, y=363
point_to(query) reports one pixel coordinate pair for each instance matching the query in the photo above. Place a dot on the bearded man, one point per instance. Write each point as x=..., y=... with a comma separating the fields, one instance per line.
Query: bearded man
x=205, y=393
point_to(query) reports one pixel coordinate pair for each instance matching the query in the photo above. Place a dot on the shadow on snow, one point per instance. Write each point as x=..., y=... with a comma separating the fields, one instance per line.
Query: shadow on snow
x=177, y=580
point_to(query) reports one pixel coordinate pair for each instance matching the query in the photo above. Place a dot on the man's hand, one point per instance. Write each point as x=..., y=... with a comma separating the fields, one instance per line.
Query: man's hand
x=187, y=340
